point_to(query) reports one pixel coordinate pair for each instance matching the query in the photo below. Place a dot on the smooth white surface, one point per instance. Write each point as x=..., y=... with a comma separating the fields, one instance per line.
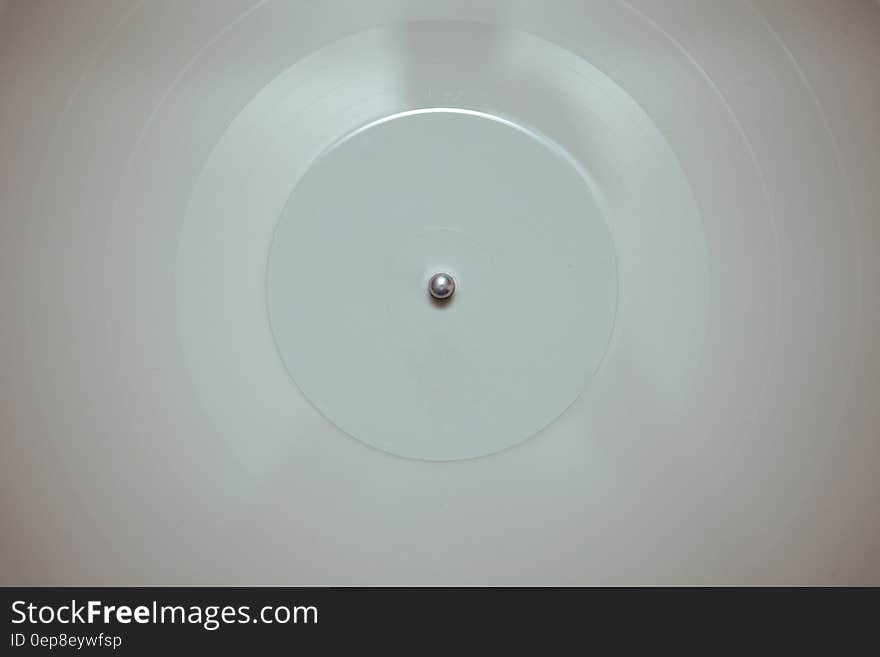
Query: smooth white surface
x=513, y=221
x=149, y=433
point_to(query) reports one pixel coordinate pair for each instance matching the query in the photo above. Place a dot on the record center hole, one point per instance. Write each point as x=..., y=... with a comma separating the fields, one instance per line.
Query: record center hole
x=441, y=286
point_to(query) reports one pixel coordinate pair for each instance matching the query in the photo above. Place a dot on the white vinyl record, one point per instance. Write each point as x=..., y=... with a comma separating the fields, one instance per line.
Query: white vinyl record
x=221, y=361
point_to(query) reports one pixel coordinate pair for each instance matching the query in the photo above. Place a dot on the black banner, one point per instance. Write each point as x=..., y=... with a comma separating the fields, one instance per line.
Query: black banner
x=183, y=620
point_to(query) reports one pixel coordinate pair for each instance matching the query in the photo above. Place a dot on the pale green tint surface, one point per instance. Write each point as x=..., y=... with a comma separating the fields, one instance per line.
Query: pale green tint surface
x=510, y=217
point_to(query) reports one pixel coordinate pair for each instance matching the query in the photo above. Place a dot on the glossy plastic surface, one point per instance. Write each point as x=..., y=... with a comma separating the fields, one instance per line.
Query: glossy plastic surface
x=148, y=151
